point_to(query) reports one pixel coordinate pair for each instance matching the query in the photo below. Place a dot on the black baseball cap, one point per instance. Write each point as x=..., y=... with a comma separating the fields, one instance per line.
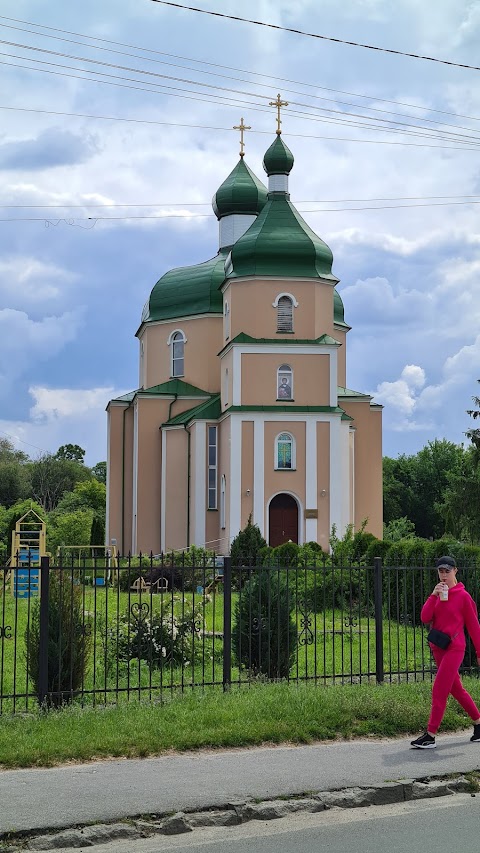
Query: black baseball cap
x=449, y=562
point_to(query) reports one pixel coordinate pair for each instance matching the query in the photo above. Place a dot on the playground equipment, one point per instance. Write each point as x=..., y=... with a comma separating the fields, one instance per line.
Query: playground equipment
x=28, y=547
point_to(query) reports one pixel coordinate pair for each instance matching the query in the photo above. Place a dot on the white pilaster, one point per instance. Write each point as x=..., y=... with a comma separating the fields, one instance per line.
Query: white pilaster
x=107, y=507
x=163, y=492
x=198, y=497
x=333, y=378
x=235, y=475
x=237, y=377
x=259, y=473
x=311, y=498
x=135, y=479
x=336, y=476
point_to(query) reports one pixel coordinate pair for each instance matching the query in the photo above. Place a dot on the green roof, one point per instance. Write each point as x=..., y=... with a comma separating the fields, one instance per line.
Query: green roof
x=346, y=392
x=126, y=398
x=278, y=159
x=174, y=387
x=241, y=192
x=243, y=338
x=338, y=310
x=185, y=291
x=280, y=243
x=210, y=410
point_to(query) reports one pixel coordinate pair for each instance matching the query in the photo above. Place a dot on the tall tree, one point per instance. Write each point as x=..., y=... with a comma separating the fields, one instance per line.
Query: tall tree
x=474, y=433
x=14, y=474
x=72, y=452
x=99, y=471
x=52, y=477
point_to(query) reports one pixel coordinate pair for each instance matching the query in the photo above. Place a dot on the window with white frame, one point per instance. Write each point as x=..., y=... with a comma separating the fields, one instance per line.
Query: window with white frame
x=285, y=314
x=223, y=489
x=212, y=467
x=285, y=452
x=226, y=317
x=284, y=382
x=177, y=356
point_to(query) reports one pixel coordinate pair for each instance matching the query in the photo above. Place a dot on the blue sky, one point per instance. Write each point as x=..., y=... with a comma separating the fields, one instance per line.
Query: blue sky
x=72, y=287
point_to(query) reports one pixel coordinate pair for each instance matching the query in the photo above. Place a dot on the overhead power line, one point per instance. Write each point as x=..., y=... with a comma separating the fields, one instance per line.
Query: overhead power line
x=264, y=76
x=108, y=205
x=317, y=35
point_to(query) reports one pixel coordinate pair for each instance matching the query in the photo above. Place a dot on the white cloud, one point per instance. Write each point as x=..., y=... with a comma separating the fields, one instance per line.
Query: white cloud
x=27, y=281
x=402, y=393
x=52, y=404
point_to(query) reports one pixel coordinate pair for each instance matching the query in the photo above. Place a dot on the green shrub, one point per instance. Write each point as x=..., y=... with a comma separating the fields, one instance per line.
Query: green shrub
x=69, y=640
x=246, y=545
x=286, y=554
x=264, y=635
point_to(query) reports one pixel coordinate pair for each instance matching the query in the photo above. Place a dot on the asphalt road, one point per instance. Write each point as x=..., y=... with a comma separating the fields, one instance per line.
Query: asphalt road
x=427, y=826
x=107, y=790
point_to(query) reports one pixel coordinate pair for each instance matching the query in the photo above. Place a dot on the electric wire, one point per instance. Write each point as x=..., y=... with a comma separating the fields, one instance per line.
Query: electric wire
x=349, y=43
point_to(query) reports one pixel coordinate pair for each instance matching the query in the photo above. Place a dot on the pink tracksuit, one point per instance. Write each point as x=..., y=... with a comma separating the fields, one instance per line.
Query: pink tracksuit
x=451, y=617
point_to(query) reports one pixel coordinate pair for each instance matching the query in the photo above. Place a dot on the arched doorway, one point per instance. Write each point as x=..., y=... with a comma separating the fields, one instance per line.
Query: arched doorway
x=283, y=520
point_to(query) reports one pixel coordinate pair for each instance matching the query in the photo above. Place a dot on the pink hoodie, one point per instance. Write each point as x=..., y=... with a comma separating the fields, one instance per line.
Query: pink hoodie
x=453, y=615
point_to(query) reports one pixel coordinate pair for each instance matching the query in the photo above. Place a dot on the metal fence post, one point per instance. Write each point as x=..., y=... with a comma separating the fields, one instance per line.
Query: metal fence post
x=377, y=593
x=43, y=640
x=227, y=622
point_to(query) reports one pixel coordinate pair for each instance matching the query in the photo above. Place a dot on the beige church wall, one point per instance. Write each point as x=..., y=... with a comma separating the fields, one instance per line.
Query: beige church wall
x=252, y=311
x=285, y=481
x=323, y=481
x=128, y=482
x=114, y=473
x=176, y=489
x=341, y=336
x=151, y=413
x=212, y=527
x=311, y=378
x=204, y=341
x=368, y=465
x=224, y=432
x=247, y=472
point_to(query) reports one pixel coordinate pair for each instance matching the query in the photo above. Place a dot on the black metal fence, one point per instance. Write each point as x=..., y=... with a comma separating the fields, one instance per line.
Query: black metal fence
x=98, y=630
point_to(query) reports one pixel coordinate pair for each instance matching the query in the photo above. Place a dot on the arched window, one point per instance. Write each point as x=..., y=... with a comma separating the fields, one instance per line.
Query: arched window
x=285, y=314
x=284, y=382
x=285, y=452
x=177, y=342
x=223, y=489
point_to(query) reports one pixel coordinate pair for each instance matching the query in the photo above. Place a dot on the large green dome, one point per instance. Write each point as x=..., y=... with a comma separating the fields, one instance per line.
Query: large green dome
x=187, y=291
x=241, y=192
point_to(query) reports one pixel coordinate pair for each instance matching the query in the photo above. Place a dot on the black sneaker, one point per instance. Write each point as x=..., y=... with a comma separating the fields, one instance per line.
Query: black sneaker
x=426, y=741
x=476, y=733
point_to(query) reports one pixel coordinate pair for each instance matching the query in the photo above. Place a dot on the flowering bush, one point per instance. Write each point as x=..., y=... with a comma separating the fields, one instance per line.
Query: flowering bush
x=158, y=638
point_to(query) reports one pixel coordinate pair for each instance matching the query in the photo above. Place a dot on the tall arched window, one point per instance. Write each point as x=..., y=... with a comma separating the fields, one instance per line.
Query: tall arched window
x=284, y=382
x=285, y=452
x=177, y=342
x=285, y=314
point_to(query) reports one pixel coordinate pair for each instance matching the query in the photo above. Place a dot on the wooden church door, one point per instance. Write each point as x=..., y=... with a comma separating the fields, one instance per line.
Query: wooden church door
x=283, y=520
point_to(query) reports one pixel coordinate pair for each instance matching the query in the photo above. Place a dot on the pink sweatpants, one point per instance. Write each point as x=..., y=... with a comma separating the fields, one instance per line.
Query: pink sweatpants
x=447, y=680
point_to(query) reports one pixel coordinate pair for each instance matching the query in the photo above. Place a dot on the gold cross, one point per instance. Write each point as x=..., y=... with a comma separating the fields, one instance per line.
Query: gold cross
x=241, y=127
x=278, y=104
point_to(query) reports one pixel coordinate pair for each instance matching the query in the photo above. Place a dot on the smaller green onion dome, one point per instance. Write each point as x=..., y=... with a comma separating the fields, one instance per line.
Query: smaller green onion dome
x=338, y=310
x=241, y=192
x=278, y=159
x=187, y=291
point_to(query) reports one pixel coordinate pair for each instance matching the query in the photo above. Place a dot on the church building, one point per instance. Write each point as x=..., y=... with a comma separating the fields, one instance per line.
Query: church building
x=243, y=407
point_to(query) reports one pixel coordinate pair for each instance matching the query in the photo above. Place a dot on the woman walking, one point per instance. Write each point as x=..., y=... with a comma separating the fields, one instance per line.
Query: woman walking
x=449, y=609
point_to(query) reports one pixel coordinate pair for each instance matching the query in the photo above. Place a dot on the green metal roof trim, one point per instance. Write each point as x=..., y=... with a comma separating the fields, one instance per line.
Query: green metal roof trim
x=210, y=410
x=243, y=338
x=280, y=243
x=346, y=392
x=278, y=159
x=174, y=387
x=333, y=410
x=241, y=192
x=126, y=398
x=188, y=290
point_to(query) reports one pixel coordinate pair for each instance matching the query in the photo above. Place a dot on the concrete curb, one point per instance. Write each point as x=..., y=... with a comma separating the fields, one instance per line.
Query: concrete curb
x=234, y=813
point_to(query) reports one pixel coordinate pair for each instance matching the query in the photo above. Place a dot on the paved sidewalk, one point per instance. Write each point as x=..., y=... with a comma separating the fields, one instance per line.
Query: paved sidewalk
x=109, y=790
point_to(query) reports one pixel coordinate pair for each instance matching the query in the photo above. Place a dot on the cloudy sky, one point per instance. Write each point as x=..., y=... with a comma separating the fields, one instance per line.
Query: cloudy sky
x=115, y=131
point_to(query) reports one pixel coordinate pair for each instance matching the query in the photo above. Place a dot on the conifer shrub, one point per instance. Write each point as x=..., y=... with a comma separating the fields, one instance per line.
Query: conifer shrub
x=264, y=636
x=246, y=545
x=69, y=640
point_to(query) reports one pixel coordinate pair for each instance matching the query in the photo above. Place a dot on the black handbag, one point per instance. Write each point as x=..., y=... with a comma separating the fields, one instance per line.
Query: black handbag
x=439, y=638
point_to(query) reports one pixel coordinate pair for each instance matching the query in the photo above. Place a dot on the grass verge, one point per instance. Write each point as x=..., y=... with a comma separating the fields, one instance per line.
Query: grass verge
x=266, y=713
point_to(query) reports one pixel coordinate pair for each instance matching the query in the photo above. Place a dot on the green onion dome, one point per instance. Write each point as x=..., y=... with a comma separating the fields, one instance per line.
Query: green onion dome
x=187, y=291
x=241, y=192
x=278, y=160
x=338, y=310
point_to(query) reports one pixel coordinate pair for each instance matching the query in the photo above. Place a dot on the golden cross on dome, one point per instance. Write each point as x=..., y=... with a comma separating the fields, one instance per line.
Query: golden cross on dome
x=241, y=127
x=278, y=104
